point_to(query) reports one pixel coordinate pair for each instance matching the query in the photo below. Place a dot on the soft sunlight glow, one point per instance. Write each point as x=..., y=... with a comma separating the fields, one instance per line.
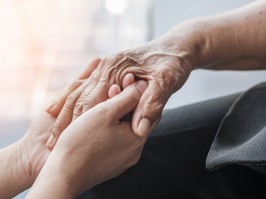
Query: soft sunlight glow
x=117, y=7
x=44, y=44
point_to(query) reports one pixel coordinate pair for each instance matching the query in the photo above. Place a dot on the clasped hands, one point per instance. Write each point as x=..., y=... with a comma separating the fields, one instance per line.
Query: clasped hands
x=83, y=135
x=96, y=146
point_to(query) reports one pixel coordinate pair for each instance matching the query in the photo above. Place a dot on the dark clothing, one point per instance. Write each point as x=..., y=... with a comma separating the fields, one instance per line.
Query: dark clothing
x=173, y=160
x=241, y=138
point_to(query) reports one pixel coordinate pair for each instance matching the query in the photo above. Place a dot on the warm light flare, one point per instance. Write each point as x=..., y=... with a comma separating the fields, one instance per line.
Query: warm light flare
x=26, y=31
x=45, y=43
x=117, y=7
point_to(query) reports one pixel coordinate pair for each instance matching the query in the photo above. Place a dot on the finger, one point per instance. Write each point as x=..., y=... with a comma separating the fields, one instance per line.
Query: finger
x=148, y=111
x=114, y=90
x=55, y=107
x=90, y=97
x=65, y=117
x=128, y=80
x=96, y=94
x=127, y=100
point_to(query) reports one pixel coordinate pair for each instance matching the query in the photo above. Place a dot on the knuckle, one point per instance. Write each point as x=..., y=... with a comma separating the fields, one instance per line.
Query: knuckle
x=166, y=79
x=74, y=117
x=88, y=102
x=158, y=98
x=78, y=104
x=118, y=67
x=71, y=99
x=85, y=108
x=153, y=109
x=77, y=110
x=161, y=79
x=66, y=111
x=155, y=101
x=90, y=98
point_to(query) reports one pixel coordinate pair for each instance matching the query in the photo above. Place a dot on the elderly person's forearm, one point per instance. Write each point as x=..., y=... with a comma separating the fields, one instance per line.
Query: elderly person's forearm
x=232, y=40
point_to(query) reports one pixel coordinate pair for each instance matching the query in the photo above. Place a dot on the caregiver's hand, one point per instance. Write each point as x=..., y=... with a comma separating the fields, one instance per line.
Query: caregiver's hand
x=60, y=106
x=21, y=162
x=95, y=147
x=34, y=143
x=165, y=63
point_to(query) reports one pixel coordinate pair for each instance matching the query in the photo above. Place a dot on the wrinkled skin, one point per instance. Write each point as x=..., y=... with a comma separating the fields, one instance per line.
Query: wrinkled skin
x=164, y=68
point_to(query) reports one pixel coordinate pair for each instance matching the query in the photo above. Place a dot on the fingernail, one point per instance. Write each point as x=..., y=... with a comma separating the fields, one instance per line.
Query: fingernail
x=144, y=127
x=50, y=142
x=141, y=86
x=51, y=108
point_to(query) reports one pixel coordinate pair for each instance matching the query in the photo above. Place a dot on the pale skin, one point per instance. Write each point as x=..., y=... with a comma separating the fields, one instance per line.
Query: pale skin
x=234, y=40
x=22, y=161
x=95, y=147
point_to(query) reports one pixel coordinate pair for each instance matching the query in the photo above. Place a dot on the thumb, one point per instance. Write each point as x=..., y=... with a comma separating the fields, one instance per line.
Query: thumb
x=127, y=100
x=148, y=111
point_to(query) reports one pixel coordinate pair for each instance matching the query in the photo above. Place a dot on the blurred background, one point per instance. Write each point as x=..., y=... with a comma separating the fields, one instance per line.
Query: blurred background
x=45, y=44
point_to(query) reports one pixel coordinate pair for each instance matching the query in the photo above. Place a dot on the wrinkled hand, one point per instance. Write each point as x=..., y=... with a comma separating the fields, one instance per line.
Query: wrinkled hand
x=95, y=147
x=157, y=62
x=33, y=148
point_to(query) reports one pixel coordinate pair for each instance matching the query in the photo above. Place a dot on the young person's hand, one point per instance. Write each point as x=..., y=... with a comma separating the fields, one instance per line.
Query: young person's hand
x=22, y=161
x=95, y=147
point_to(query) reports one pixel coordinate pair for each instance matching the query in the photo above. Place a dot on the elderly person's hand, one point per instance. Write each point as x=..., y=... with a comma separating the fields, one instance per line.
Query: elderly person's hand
x=163, y=65
x=95, y=147
x=217, y=42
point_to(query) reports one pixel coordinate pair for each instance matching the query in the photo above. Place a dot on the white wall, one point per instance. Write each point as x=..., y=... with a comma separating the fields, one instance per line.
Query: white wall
x=202, y=84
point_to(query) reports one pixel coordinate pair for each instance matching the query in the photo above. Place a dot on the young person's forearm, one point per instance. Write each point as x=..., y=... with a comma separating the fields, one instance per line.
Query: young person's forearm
x=14, y=178
x=53, y=182
x=235, y=40
x=50, y=187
